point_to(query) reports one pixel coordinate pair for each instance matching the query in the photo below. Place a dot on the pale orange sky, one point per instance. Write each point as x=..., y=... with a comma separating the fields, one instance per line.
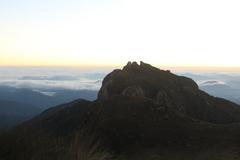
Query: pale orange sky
x=175, y=69
x=110, y=33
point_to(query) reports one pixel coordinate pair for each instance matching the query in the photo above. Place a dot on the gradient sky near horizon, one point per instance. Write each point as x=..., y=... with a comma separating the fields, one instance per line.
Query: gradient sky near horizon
x=112, y=32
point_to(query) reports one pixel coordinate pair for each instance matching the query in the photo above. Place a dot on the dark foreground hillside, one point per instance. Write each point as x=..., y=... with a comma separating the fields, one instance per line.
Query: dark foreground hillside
x=142, y=113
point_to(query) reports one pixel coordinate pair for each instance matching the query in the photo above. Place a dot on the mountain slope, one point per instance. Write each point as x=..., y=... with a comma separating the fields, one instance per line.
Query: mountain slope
x=22, y=104
x=139, y=109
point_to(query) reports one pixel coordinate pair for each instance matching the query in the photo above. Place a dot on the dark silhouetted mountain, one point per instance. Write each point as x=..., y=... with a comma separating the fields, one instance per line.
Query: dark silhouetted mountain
x=141, y=111
x=172, y=91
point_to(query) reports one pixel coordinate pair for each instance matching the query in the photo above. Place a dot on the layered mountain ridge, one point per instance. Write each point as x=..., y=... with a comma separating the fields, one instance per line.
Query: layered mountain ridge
x=138, y=108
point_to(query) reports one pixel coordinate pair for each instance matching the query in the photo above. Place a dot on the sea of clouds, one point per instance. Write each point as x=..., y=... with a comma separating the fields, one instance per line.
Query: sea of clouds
x=48, y=79
x=53, y=78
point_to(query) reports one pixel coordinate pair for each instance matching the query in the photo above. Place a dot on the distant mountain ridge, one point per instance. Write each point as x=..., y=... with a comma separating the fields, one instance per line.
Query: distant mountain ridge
x=44, y=101
x=19, y=104
x=13, y=113
x=220, y=85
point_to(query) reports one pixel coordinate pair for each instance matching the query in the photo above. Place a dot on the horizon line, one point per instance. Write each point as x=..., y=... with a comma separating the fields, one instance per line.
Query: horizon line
x=199, y=68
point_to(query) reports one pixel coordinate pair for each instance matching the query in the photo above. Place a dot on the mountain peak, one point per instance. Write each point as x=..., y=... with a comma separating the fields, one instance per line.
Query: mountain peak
x=135, y=66
x=165, y=89
x=143, y=80
x=131, y=65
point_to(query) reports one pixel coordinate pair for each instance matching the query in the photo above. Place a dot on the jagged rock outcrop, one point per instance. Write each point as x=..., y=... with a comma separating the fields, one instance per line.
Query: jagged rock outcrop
x=133, y=91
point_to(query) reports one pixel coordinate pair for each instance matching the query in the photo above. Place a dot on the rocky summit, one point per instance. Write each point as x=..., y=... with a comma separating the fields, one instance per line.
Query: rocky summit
x=167, y=89
x=141, y=112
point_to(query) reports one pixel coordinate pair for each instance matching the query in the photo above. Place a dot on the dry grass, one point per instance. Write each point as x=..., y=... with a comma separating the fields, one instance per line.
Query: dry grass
x=85, y=147
x=81, y=146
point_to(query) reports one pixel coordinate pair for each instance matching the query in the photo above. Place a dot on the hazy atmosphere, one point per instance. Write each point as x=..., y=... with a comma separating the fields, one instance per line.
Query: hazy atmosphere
x=119, y=80
x=112, y=32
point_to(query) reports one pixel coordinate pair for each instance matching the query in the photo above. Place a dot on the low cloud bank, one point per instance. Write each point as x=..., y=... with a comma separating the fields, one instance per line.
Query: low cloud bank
x=51, y=79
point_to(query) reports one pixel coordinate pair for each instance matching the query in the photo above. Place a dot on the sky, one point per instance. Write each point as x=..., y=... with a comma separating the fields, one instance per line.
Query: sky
x=188, y=33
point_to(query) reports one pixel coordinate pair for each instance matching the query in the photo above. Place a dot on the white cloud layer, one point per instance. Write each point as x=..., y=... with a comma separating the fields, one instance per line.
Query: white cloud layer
x=50, y=79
